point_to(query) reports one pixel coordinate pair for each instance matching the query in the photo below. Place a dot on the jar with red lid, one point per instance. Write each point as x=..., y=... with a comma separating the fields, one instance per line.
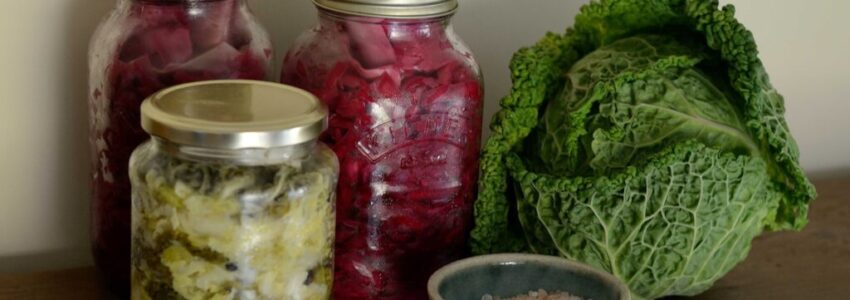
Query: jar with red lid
x=141, y=47
x=405, y=97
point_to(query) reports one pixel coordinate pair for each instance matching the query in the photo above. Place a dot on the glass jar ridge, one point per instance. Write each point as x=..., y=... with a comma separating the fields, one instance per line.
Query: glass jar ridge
x=413, y=9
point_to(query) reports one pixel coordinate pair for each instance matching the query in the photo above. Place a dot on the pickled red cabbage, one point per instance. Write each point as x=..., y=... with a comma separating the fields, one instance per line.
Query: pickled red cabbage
x=405, y=101
x=165, y=45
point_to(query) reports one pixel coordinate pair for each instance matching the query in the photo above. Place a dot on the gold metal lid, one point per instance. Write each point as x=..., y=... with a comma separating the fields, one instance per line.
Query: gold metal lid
x=234, y=114
x=391, y=8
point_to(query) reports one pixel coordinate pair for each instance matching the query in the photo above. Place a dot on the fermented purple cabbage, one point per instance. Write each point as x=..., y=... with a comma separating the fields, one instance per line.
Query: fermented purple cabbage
x=143, y=47
x=405, y=100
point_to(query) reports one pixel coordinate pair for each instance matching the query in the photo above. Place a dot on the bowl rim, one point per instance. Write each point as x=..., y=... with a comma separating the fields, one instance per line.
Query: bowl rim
x=506, y=258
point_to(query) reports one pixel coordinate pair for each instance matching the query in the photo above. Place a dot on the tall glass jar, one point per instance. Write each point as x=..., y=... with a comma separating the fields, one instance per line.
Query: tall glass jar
x=405, y=96
x=144, y=46
x=233, y=198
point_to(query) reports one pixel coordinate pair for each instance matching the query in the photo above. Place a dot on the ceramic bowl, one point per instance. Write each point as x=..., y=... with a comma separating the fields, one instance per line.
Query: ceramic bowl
x=508, y=275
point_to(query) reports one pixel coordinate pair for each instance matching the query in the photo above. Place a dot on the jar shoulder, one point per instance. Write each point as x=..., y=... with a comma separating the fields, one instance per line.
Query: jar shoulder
x=378, y=46
x=179, y=37
x=148, y=158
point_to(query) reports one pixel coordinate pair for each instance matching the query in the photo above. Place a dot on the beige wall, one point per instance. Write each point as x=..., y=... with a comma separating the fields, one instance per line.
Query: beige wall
x=43, y=162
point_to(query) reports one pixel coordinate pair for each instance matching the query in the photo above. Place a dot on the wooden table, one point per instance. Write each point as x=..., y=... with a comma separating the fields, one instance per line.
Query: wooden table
x=812, y=264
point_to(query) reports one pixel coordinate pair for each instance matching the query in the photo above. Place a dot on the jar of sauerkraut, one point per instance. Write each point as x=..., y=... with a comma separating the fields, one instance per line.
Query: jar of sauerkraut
x=405, y=98
x=233, y=197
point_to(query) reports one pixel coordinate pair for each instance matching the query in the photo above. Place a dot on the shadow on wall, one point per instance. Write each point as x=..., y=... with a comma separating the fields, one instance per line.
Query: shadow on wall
x=284, y=20
x=82, y=18
x=72, y=160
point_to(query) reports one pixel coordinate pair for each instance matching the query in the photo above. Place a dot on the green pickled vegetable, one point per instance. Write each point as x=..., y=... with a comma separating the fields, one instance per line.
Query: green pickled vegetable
x=211, y=230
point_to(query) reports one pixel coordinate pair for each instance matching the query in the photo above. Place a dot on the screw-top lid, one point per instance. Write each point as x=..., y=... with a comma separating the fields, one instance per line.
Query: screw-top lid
x=391, y=8
x=234, y=114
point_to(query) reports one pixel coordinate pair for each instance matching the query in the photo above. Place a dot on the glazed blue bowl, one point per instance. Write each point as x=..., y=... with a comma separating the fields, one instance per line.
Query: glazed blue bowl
x=509, y=275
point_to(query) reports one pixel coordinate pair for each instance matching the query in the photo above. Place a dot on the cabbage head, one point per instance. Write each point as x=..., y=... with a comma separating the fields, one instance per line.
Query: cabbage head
x=646, y=141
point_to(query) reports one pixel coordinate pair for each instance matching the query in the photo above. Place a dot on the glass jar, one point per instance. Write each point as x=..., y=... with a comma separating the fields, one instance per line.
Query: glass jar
x=144, y=46
x=405, y=96
x=233, y=198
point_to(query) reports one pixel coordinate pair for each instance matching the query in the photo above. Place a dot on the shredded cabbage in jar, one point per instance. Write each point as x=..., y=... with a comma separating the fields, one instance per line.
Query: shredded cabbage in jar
x=206, y=230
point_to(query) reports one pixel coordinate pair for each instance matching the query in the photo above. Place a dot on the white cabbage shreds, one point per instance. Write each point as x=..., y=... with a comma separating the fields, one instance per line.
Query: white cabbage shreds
x=204, y=230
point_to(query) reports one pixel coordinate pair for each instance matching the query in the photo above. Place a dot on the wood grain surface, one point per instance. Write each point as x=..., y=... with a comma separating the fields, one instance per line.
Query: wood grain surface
x=811, y=264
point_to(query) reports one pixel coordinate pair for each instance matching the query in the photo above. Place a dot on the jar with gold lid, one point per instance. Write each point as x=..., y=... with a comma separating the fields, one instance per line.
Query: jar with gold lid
x=233, y=197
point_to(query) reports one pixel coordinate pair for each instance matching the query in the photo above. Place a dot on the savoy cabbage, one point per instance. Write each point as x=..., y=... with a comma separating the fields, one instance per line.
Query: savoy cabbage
x=647, y=141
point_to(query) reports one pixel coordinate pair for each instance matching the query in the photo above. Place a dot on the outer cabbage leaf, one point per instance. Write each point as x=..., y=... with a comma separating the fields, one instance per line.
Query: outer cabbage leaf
x=534, y=70
x=671, y=226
